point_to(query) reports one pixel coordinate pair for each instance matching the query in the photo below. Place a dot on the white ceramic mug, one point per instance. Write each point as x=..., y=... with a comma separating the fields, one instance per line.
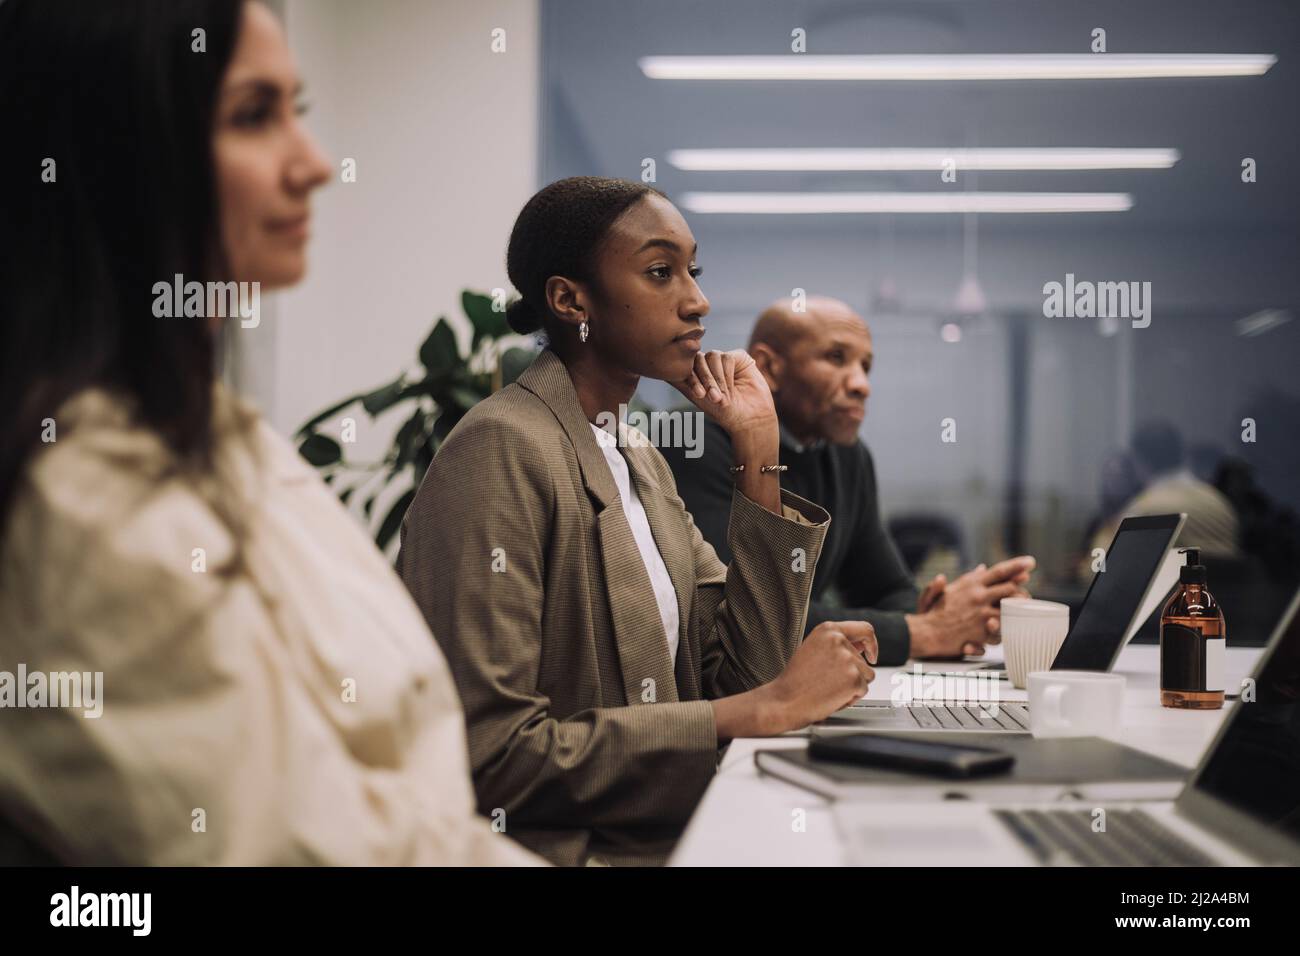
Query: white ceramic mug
x=1075, y=703
x=1032, y=632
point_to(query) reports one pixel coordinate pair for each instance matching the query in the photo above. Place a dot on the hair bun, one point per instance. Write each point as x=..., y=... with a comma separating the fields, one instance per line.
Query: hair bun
x=522, y=317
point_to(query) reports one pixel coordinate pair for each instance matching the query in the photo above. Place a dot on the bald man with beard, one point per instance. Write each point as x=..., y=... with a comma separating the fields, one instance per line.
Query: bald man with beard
x=817, y=363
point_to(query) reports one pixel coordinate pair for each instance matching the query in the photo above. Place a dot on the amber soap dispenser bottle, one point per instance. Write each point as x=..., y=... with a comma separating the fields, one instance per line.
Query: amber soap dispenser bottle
x=1193, y=637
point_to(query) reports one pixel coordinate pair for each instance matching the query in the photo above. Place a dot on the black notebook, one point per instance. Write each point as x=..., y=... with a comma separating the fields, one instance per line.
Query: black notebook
x=1082, y=768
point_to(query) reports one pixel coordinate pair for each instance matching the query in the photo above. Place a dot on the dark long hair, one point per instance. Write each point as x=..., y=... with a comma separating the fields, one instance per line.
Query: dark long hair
x=114, y=93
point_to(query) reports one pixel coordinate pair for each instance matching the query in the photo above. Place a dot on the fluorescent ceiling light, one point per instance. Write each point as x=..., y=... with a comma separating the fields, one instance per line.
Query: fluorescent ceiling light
x=1003, y=66
x=900, y=202
x=883, y=160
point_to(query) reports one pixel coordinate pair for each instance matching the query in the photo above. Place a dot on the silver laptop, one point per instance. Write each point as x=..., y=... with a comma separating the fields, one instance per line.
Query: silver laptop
x=1117, y=602
x=1241, y=806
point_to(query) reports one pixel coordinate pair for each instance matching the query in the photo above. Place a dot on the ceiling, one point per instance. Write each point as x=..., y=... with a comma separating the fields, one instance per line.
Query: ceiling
x=601, y=115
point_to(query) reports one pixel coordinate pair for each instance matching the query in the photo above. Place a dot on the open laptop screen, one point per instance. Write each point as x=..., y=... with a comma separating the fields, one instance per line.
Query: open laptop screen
x=1255, y=765
x=1132, y=560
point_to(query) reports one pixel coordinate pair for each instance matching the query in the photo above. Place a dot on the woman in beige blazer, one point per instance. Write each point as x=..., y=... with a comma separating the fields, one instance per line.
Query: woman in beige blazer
x=241, y=678
x=601, y=650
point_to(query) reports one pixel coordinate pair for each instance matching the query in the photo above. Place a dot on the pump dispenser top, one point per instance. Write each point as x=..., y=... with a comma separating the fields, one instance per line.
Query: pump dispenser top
x=1192, y=572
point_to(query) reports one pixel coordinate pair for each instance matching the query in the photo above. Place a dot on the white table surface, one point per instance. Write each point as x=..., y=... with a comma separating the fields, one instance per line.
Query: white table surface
x=744, y=819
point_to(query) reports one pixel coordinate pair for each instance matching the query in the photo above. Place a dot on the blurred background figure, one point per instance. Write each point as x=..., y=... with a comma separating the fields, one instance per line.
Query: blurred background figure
x=1169, y=486
x=1119, y=485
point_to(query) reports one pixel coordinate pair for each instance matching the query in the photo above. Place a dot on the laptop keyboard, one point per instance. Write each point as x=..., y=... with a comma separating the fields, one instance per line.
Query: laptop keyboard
x=985, y=717
x=1131, y=838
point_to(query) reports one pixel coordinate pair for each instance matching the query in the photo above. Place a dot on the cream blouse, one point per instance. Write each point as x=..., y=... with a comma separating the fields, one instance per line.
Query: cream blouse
x=271, y=695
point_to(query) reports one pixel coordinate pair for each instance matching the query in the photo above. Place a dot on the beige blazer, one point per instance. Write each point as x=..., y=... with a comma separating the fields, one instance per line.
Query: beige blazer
x=584, y=739
x=270, y=694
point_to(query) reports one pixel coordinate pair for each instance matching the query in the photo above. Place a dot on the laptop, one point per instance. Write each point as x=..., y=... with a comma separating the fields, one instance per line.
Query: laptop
x=1240, y=808
x=1118, y=600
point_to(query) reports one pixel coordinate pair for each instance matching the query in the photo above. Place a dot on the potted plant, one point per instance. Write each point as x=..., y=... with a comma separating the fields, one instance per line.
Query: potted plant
x=446, y=384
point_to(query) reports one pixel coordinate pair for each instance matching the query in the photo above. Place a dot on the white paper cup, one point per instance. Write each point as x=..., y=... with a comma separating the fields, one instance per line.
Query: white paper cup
x=1075, y=703
x=1032, y=632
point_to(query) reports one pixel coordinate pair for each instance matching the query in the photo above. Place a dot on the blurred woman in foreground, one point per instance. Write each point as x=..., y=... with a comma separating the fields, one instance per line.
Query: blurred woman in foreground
x=269, y=693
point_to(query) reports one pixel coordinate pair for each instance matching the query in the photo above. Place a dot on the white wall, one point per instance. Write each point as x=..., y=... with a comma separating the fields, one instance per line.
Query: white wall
x=444, y=134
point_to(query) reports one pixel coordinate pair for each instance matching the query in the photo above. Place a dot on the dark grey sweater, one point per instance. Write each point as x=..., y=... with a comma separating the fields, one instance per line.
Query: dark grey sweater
x=859, y=560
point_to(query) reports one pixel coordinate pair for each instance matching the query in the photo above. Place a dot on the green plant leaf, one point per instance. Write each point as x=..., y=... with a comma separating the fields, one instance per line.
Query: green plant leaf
x=463, y=398
x=410, y=437
x=486, y=323
x=416, y=390
x=319, y=417
x=393, y=520
x=423, y=459
x=385, y=397
x=439, y=353
x=320, y=450
x=513, y=363
x=443, y=426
